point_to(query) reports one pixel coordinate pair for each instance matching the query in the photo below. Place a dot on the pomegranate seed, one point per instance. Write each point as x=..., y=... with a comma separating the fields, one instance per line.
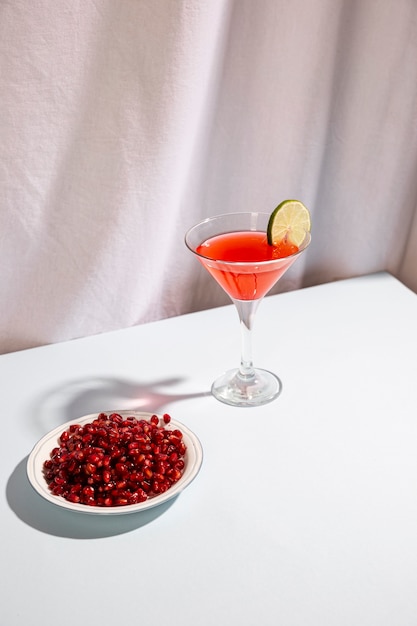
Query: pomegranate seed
x=106, y=476
x=95, y=458
x=161, y=467
x=73, y=497
x=121, y=469
x=120, y=501
x=174, y=474
x=115, y=461
x=156, y=487
x=138, y=496
x=136, y=477
x=114, y=417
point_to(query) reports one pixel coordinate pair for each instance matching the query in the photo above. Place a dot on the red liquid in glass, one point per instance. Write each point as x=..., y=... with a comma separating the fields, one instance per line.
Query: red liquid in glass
x=246, y=281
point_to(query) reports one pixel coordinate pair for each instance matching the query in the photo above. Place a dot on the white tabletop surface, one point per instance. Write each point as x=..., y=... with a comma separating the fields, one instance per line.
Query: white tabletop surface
x=304, y=511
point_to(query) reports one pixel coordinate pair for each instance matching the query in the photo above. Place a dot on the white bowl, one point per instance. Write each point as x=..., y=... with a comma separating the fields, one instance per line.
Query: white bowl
x=41, y=452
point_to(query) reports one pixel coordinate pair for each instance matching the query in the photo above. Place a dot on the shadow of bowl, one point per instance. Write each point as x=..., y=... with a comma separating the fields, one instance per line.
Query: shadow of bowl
x=32, y=509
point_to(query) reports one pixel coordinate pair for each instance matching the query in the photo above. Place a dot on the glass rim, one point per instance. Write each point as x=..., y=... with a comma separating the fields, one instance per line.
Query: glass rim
x=303, y=246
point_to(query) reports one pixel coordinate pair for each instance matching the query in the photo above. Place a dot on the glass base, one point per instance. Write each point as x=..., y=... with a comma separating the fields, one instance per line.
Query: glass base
x=237, y=390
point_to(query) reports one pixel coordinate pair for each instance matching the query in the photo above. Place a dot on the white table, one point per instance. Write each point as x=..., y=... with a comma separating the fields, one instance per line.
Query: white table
x=304, y=511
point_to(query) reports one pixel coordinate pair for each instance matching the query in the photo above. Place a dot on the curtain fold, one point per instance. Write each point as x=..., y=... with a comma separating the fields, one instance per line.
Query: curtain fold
x=124, y=123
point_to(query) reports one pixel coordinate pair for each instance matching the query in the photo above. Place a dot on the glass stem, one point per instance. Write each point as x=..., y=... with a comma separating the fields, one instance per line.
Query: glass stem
x=246, y=310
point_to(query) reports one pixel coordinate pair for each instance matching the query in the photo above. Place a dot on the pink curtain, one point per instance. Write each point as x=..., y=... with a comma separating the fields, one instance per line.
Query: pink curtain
x=123, y=123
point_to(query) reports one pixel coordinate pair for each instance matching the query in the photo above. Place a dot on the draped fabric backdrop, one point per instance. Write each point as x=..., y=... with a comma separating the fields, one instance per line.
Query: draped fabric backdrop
x=123, y=122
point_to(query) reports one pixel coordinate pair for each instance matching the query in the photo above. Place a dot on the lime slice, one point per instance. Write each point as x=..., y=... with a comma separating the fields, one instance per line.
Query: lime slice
x=288, y=222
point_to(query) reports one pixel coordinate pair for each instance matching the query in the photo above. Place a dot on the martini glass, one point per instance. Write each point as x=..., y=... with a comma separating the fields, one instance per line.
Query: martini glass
x=234, y=250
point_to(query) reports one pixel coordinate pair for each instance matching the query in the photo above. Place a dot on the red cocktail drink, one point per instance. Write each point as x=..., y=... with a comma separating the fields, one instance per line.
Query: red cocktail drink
x=244, y=264
x=234, y=248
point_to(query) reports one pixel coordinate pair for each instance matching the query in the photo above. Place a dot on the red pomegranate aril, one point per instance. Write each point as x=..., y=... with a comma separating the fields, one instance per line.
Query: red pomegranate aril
x=78, y=455
x=120, y=501
x=121, y=469
x=115, y=461
x=73, y=497
x=90, y=468
x=173, y=457
x=136, y=477
x=138, y=496
x=156, y=487
x=161, y=467
x=106, y=487
x=174, y=474
x=64, y=437
x=95, y=458
x=158, y=436
x=106, y=475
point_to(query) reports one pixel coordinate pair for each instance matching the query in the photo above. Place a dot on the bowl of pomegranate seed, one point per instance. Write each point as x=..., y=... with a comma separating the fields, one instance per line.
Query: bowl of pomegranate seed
x=115, y=463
